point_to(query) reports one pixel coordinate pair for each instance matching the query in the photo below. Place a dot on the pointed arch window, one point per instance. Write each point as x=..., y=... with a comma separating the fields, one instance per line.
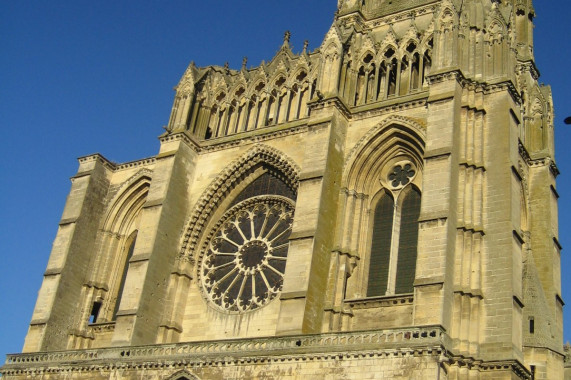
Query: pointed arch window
x=130, y=248
x=381, y=246
x=392, y=264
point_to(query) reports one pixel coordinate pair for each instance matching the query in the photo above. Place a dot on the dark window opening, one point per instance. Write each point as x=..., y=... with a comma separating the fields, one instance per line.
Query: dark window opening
x=267, y=183
x=408, y=241
x=94, y=312
x=532, y=326
x=124, y=275
x=392, y=85
x=381, y=247
x=532, y=368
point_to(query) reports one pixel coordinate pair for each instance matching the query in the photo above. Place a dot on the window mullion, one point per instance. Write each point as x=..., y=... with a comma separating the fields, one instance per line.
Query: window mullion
x=393, y=262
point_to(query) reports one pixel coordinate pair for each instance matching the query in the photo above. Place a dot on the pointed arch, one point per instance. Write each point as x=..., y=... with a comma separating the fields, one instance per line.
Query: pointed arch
x=497, y=29
x=277, y=77
x=214, y=195
x=365, y=54
x=183, y=375
x=396, y=135
x=129, y=200
x=385, y=50
x=118, y=234
x=448, y=16
x=382, y=179
x=301, y=68
x=257, y=85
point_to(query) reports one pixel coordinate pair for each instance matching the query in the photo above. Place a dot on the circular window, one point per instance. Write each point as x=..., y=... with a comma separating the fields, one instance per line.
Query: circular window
x=401, y=175
x=243, y=266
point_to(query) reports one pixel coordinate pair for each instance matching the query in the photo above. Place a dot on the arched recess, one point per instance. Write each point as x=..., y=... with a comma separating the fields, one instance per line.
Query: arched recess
x=446, y=39
x=183, y=375
x=117, y=236
x=383, y=171
x=218, y=190
x=261, y=171
x=120, y=229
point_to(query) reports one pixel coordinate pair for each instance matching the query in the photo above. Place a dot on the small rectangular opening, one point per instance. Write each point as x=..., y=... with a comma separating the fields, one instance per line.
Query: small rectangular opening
x=532, y=368
x=94, y=312
x=531, y=326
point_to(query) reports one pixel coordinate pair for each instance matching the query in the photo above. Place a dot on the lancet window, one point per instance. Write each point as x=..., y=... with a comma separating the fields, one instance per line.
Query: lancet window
x=392, y=73
x=249, y=107
x=380, y=212
x=394, y=234
x=129, y=248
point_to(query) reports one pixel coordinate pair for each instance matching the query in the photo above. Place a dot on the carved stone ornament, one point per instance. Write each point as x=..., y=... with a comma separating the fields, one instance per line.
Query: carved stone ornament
x=244, y=262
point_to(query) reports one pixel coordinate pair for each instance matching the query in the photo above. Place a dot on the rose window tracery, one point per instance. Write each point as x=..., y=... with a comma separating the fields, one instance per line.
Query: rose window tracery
x=401, y=175
x=244, y=263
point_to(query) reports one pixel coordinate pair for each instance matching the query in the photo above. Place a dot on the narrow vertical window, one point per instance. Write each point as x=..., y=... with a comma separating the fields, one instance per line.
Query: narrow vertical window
x=381, y=247
x=360, y=88
x=382, y=81
x=131, y=248
x=408, y=242
x=392, y=82
x=371, y=96
x=415, y=79
x=427, y=66
x=532, y=326
x=94, y=312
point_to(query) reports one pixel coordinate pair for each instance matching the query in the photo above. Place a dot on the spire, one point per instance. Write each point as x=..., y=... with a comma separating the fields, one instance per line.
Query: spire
x=287, y=36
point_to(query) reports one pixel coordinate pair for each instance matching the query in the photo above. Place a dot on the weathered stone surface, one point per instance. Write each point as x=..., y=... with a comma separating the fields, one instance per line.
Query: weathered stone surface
x=149, y=275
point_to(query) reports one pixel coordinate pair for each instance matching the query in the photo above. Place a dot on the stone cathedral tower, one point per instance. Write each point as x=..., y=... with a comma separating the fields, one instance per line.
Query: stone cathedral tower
x=382, y=207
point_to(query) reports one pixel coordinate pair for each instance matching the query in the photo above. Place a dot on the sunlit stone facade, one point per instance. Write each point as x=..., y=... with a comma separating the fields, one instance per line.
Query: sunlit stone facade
x=381, y=207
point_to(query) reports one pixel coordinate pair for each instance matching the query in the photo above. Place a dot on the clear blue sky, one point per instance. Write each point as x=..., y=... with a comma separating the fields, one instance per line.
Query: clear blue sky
x=79, y=77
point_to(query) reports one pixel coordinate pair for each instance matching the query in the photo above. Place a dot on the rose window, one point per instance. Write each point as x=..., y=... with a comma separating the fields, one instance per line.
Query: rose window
x=400, y=175
x=245, y=260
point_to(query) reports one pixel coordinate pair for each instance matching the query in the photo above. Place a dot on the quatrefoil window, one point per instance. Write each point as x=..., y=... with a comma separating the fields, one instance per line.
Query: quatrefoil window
x=400, y=176
x=244, y=264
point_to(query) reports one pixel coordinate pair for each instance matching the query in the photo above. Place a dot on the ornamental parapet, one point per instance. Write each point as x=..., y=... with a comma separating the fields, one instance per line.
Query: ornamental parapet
x=390, y=341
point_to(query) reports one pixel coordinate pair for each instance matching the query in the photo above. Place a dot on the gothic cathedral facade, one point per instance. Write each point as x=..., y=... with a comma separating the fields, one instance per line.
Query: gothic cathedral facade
x=383, y=207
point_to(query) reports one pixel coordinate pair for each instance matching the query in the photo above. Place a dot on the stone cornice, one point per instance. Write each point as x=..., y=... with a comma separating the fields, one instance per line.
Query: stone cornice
x=392, y=343
x=528, y=66
x=189, y=140
x=203, y=147
x=404, y=15
x=98, y=158
x=390, y=106
x=486, y=88
x=543, y=161
x=253, y=139
x=115, y=166
x=334, y=101
x=135, y=164
x=412, y=341
x=513, y=366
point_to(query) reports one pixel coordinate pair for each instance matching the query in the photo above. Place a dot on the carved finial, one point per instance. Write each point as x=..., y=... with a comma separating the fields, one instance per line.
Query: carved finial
x=305, y=45
x=226, y=65
x=287, y=36
x=244, y=62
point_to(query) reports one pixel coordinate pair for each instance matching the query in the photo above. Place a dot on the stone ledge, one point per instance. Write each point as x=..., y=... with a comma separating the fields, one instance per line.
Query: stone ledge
x=383, y=301
x=390, y=342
